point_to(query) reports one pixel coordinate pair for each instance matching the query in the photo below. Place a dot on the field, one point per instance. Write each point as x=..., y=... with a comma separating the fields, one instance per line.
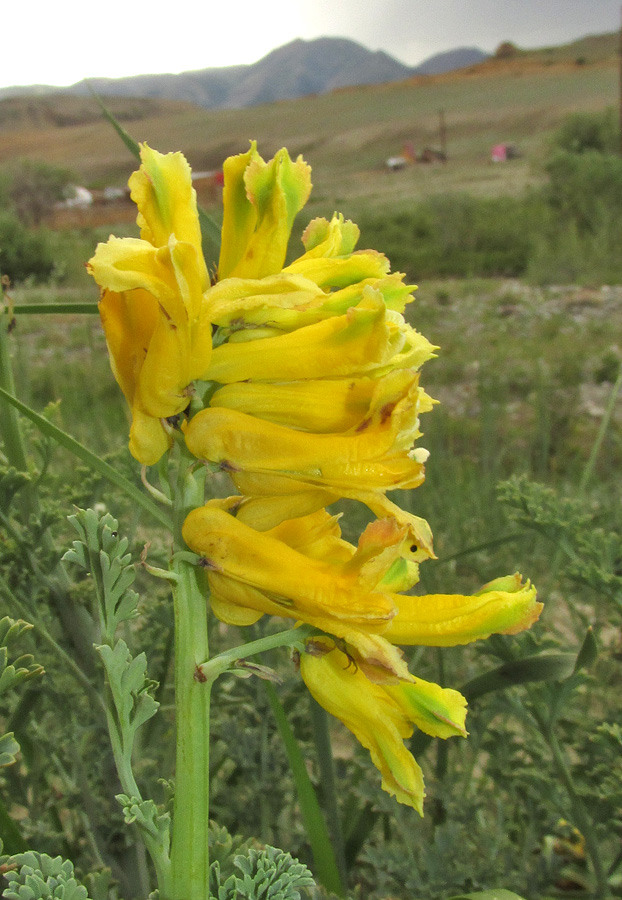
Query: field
x=346, y=136
x=524, y=473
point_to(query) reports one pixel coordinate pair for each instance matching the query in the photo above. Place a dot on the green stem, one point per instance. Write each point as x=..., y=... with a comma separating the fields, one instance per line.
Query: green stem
x=211, y=669
x=328, y=781
x=37, y=309
x=190, y=850
x=325, y=865
x=14, y=446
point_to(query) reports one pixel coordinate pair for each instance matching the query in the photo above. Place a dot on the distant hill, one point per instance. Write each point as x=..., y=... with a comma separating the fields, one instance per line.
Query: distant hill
x=297, y=69
x=459, y=58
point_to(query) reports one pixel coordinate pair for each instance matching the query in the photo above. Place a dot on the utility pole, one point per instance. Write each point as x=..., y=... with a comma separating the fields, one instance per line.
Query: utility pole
x=443, y=129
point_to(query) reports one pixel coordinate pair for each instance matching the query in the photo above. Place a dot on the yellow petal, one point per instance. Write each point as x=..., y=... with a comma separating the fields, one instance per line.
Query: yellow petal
x=370, y=713
x=278, y=190
x=340, y=272
x=261, y=202
x=353, y=344
x=328, y=239
x=165, y=375
x=148, y=440
x=445, y=620
x=240, y=442
x=265, y=512
x=440, y=712
x=239, y=214
x=129, y=320
x=167, y=204
x=302, y=584
x=237, y=302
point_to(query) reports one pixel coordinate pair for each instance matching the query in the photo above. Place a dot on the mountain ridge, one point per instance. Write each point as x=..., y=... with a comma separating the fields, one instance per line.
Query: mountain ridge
x=299, y=68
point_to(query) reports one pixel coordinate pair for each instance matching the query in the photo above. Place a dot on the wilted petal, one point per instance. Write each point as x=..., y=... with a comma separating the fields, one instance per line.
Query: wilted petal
x=370, y=713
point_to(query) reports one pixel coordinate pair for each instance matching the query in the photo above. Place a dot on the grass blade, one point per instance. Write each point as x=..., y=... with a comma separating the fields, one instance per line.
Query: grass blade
x=325, y=868
x=57, y=309
x=127, y=139
x=89, y=458
x=210, y=231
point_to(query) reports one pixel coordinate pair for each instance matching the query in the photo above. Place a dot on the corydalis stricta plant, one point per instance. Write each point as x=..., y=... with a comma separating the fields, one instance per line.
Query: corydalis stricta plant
x=309, y=395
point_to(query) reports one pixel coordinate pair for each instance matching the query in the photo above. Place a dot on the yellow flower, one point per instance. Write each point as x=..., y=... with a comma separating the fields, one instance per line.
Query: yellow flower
x=300, y=569
x=261, y=201
x=381, y=716
x=313, y=396
x=152, y=303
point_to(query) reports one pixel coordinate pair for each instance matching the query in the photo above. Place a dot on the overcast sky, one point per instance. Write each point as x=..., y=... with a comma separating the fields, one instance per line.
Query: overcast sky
x=67, y=40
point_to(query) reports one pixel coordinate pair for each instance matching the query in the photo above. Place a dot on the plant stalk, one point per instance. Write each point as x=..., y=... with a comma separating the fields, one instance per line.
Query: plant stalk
x=190, y=850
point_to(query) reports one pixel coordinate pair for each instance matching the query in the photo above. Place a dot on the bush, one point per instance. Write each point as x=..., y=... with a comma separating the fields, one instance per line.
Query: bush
x=33, y=188
x=23, y=253
x=456, y=235
x=585, y=132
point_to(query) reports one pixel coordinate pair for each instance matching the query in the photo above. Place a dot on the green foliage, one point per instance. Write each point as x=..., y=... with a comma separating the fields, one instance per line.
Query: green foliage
x=454, y=235
x=586, y=188
x=149, y=819
x=24, y=254
x=102, y=553
x=130, y=688
x=37, y=876
x=593, y=554
x=583, y=132
x=33, y=187
x=268, y=874
x=11, y=674
x=24, y=666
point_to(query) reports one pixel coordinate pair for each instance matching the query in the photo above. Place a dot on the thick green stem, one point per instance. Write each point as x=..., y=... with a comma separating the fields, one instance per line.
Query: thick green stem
x=190, y=851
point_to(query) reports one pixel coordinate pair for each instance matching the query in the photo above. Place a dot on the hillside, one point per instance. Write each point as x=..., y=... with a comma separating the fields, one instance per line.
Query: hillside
x=294, y=70
x=347, y=134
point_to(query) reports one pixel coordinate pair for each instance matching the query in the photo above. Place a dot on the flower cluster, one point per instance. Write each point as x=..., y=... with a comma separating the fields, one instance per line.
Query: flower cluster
x=312, y=396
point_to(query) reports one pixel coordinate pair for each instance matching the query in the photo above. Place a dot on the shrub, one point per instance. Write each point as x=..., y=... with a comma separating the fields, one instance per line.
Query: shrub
x=456, y=235
x=584, y=132
x=24, y=253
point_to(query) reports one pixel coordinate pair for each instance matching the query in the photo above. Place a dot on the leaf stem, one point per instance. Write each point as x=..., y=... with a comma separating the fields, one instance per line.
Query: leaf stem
x=211, y=669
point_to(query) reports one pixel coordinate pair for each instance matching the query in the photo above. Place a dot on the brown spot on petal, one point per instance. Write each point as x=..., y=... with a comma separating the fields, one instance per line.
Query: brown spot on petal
x=363, y=425
x=385, y=412
x=318, y=648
